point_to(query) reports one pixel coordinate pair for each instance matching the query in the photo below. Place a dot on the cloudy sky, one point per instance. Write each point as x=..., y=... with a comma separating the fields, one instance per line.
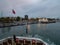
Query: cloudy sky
x=33, y=8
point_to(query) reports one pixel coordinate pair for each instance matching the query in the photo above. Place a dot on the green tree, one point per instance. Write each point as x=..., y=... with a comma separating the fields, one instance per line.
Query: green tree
x=18, y=18
x=7, y=20
x=2, y=19
x=37, y=18
x=32, y=19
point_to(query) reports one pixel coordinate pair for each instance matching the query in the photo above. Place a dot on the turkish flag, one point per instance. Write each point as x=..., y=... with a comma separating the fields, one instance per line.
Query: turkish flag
x=13, y=11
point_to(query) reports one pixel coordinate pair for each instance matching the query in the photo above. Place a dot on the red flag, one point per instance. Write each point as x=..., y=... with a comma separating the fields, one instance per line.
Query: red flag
x=33, y=41
x=17, y=40
x=13, y=11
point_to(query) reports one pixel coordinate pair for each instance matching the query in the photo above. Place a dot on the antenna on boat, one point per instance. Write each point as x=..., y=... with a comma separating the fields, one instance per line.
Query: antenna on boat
x=14, y=38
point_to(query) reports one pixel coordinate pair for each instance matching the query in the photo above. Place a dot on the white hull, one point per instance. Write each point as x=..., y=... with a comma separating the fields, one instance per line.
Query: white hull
x=27, y=38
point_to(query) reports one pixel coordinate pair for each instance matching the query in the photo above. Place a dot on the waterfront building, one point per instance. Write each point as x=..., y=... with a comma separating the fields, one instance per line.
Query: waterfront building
x=43, y=20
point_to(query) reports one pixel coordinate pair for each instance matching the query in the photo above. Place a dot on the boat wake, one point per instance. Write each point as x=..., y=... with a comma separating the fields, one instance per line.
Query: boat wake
x=46, y=40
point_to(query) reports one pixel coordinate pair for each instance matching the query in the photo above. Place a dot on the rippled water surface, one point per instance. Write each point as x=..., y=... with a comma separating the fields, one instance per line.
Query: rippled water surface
x=47, y=32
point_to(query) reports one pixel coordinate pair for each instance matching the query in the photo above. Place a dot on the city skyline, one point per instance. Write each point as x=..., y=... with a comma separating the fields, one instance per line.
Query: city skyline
x=32, y=8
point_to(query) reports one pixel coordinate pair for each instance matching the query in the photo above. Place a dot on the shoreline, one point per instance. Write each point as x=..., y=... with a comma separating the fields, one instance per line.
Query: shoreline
x=11, y=25
x=21, y=24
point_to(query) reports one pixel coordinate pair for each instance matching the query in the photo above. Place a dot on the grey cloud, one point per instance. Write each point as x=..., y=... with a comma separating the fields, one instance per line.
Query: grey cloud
x=47, y=8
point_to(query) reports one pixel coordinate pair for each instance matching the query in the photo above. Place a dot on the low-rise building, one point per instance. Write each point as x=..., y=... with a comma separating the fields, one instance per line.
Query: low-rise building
x=43, y=20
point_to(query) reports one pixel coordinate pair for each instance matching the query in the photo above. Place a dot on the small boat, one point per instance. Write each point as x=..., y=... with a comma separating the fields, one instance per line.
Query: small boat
x=17, y=40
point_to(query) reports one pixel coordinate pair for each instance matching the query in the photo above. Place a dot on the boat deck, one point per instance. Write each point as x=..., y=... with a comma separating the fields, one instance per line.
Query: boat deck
x=18, y=41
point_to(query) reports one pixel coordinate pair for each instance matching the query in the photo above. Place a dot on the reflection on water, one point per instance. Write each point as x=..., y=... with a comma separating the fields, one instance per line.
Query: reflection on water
x=27, y=29
x=4, y=30
x=39, y=26
x=42, y=26
x=36, y=30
